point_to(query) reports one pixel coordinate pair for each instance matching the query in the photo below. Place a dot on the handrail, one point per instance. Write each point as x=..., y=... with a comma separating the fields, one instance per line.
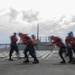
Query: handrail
x=41, y=46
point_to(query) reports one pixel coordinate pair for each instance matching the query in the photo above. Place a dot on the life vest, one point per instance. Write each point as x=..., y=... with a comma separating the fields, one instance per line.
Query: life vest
x=14, y=38
x=24, y=40
x=70, y=39
x=57, y=41
x=34, y=41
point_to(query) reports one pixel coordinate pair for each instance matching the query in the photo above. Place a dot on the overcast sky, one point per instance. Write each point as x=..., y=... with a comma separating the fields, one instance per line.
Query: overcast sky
x=55, y=17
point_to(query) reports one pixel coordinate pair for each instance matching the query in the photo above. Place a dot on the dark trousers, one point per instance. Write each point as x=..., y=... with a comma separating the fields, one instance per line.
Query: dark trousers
x=31, y=52
x=73, y=48
x=61, y=51
x=12, y=49
x=69, y=53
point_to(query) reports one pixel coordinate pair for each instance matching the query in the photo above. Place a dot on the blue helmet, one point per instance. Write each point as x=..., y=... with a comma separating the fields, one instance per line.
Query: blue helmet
x=70, y=33
x=14, y=33
x=51, y=37
x=33, y=35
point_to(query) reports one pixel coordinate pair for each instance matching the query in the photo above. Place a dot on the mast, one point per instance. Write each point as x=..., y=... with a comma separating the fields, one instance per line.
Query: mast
x=38, y=31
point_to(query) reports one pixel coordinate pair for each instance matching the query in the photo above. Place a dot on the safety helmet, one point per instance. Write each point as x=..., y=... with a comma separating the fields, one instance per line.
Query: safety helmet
x=19, y=33
x=14, y=33
x=51, y=37
x=70, y=33
x=27, y=37
x=33, y=35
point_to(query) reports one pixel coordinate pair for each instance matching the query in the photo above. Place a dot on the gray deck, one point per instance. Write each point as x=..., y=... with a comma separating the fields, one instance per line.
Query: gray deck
x=47, y=66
